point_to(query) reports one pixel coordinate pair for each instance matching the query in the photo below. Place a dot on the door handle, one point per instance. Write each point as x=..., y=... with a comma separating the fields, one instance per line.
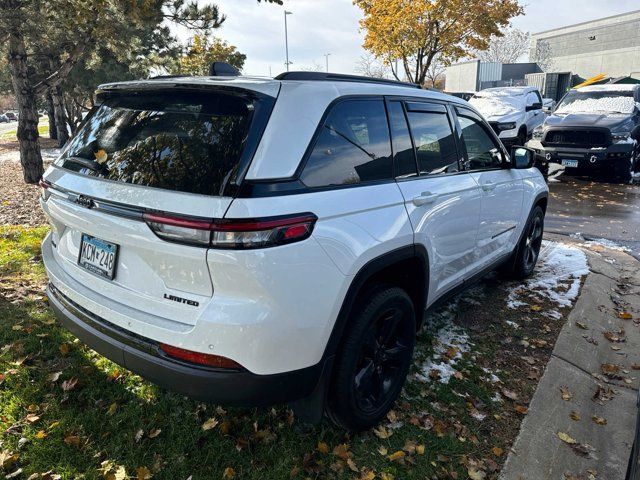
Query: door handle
x=488, y=186
x=424, y=198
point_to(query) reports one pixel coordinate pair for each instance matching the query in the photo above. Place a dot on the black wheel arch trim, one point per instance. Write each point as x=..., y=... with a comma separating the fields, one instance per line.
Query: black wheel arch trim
x=366, y=272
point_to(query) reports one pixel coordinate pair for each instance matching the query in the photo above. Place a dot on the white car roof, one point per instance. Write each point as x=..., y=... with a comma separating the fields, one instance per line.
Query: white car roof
x=295, y=116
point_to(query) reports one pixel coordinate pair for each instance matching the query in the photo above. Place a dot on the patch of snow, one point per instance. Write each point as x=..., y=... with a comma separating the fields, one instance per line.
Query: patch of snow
x=513, y=325
x=446, y=337
x=609, y=87
x=490, y=106
x=478, y=416
x=603, y=242
x=556, y=315
x=557, y=275
x=497, y=398
x=513, y=304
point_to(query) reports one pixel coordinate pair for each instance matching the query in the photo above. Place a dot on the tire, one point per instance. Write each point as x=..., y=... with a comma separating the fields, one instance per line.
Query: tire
x=526, y=255
x=521, y=139
x=374, y=359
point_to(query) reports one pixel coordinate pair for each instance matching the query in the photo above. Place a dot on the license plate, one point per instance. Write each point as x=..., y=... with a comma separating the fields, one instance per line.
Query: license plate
x=98, y=256
x=570, y=163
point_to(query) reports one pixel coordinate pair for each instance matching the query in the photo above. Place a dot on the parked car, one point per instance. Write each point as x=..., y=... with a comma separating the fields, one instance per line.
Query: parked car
x=513, y=112
x=594, y=130
x=256, y=241
x=12, y=116
x=4, y=118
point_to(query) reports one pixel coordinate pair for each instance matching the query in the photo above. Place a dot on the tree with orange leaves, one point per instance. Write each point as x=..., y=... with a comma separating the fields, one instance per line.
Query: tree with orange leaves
x=415, y=32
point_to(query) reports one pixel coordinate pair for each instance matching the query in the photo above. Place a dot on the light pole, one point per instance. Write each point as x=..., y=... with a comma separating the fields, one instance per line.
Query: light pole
x=286, y=40
x=326, y=58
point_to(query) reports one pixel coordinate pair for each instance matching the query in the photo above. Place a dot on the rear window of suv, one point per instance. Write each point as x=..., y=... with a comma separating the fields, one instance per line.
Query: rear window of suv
x=192, y=142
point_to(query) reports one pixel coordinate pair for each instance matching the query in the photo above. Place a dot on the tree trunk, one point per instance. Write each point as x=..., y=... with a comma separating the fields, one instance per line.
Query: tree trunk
x=30, y=156
x=60, y=114
x=53, y=132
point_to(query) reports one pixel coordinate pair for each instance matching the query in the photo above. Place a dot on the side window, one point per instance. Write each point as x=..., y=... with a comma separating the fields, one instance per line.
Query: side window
x=434, y=142
x=482, y=150
x=403, y=154
x=353, y=146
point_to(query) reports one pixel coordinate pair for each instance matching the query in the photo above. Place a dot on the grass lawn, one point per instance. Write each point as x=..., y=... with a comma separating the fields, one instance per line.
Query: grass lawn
x=43, y=130
x=66, y=410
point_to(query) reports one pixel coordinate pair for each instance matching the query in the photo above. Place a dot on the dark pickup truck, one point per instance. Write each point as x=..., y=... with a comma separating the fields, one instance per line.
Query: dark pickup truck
x=592, y=131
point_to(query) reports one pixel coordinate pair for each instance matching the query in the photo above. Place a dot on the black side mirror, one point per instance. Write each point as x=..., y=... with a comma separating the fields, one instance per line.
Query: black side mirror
x=535, y=106
x=522, y=157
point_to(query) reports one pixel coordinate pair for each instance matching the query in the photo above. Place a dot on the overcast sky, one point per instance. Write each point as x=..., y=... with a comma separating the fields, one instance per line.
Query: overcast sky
x=317, y=27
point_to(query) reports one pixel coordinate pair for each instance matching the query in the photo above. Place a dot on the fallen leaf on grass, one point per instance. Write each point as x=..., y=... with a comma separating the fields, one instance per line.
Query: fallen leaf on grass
x=70, y=384
x=598, y=420
x=382, y=432
x=154, y=433
x=535, y=308
x=53, y=377
x=565, y=393
x=566, y=438
x=625, y=315
x=112, y=408
x=32, y=418
x=522, y=410
x=396, y=456
x=382, y=450
x=476, y=474
x=41, y=434
x=8, y=459
x=210, y=424
x=509, y=394
x=143, y=473
x=228, y=473
x=368, y=475
x=73, y=440
x=497, y=451
x=323, y=447
x=352, y=466
x=64, y=348
x=341, y=451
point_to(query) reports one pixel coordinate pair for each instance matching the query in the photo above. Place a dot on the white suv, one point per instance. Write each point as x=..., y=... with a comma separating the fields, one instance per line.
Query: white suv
x=256, y=241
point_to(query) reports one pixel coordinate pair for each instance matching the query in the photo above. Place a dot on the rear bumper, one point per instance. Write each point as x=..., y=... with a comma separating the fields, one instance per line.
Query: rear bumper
x=143, y=357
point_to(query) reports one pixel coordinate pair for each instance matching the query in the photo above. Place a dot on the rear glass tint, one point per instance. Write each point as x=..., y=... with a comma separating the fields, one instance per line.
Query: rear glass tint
x=187, y=142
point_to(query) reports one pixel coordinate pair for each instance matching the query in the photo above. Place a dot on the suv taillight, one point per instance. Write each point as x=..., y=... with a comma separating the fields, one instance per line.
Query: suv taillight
x=234, y=234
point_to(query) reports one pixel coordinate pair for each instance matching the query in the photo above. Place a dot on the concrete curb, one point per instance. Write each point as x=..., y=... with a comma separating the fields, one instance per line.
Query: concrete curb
x=602, y=451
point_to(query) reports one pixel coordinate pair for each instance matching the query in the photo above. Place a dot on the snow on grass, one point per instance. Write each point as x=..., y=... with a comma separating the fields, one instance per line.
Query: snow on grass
x=557, y=277
x=449, y=343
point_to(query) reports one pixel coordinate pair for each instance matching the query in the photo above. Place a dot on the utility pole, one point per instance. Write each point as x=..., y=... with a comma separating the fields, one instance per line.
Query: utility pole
x=286, y=40
x=326, y=58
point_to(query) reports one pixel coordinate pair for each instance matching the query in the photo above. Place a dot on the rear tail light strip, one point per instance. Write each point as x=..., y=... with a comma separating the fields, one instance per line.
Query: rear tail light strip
x=232, y=233
x=207, y=359
x=210, y=233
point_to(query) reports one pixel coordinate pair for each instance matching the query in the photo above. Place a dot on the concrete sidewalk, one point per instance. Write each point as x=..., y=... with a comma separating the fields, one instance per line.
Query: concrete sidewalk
x=576, y=365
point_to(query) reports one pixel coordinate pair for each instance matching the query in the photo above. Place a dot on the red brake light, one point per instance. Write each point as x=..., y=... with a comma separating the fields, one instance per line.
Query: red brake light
x=207, y=359
x=227, y=233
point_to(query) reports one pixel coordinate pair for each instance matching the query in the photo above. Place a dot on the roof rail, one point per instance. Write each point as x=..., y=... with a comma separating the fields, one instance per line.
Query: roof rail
x=339, y=77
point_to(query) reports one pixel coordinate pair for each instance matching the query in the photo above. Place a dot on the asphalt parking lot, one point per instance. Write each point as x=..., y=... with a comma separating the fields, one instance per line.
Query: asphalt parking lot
x=595, y=210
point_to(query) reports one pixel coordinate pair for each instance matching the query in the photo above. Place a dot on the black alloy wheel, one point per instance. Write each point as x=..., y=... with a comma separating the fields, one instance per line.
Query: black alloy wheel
x=374, y=359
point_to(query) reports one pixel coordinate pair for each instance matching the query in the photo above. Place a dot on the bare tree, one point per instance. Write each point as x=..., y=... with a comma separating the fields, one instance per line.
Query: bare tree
x=314, y=67
x=370, y=66
x=542, y=55
x=435, y=74
x=509, y=48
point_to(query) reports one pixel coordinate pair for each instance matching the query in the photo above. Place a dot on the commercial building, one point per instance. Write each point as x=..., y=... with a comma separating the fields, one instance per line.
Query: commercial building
x=609, y=46
x=475, y=75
